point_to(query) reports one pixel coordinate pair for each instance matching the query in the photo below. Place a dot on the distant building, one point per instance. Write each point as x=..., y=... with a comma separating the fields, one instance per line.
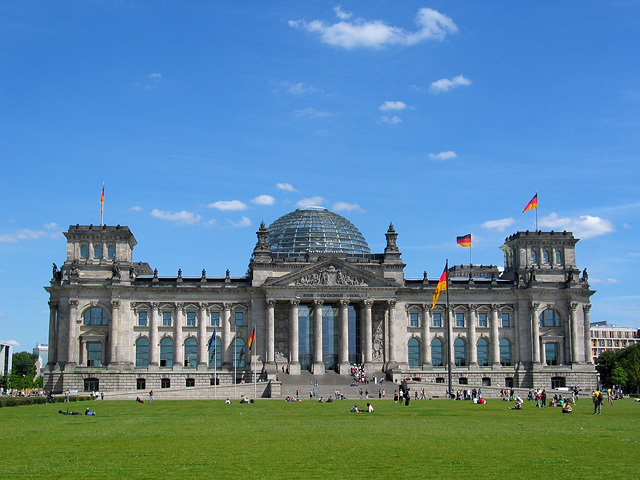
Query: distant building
x=318, y=300
x=43, y=355
x=5, y=358
x=606, y=337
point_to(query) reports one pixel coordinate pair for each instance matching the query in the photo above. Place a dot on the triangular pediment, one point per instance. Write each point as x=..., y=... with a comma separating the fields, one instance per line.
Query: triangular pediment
x=330, y=273
x=552, y=335
x=94, y=333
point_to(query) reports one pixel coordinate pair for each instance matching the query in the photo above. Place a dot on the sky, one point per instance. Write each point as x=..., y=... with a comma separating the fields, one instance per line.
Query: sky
x=204, y=119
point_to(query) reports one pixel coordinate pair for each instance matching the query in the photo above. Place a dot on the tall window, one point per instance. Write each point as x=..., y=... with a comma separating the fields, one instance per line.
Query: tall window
x=546, y=256
x=437, y=356
x=505, y=352
x=437, y=319
x=506, y=319
x=191, y=352
x=215, y=319
x=482, y=319
x=239, y=353
x=239, y=319
x=534, y=256
x=414, y=352
x=95, y=316
x=460, y=352
x=558, y=257
x=551, y=353
x=216, y=355
x=549, y=318
x=97, y=250
x=166, y=352
x=142, y=352
x=413, y=319
x=459, y=319
x=94, y=354
x=84, y=250
x=483, y=352
x=191, y=319
x=111, y=251
x=166, y=319
x=142, y=319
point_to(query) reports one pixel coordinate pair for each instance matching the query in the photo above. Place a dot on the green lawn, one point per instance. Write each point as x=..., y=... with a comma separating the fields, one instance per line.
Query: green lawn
x=274, y=439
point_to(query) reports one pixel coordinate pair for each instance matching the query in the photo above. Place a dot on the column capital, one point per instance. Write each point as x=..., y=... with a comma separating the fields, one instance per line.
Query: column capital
x=343, y=303
x=73, y=302
x=115, y=304
x=534, y=306
x=426, y=308
x=318, y=303
x=495, y=307
x=227, y=306
x=204, y=306
x=295, y=302
x=180, y=307
x=473, y=307
x=53, y=305
x=155, y=305
x=391, y=304
x=574, y=306
x=368, y=303
x=271, y=303
x=587, y=307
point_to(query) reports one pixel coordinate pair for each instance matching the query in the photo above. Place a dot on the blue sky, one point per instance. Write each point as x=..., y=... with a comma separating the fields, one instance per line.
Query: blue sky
x=205, y=118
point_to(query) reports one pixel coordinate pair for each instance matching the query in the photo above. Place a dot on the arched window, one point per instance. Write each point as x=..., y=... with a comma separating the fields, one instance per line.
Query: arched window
x=239, y=353
x=505, y=352
x=549, y=318
x=97, y=250
x=414, y=352
x=84, y=250
x=166, y=352
x=460, y=352
x=217, y=355
x=191, y=352
x=142, y=352
x=95, y=316
x=111, y=251
x=483, y=352
x=546, y=256
x=534, y=256
x=436, y=352
x=558, y=257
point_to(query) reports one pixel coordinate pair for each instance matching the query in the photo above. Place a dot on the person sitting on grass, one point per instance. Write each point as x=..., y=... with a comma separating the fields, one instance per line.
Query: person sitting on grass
x=227, y=402
x=354, y=409
x=139, y=400
x=89, y=412
x=518, y=405
x=369, y=408
x=566, y=408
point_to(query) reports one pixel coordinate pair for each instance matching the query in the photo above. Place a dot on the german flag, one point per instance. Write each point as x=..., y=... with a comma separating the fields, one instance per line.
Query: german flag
x=102, y=199
x=251, y=339
x=532, y=204
x=442, y=286
x=464, y=241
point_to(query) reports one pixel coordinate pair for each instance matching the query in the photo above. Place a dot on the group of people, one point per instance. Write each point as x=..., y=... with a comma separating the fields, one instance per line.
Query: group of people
x=468, y=394
x=358, y=373
x=355, y=409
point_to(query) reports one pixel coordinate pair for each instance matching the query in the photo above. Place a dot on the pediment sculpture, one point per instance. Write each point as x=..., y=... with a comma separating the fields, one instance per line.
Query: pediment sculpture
x=330, y=276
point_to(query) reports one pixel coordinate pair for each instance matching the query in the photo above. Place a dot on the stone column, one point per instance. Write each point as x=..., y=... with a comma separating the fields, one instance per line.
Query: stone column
x=450, y=352
x=343, y=353
x=473, y=345
x=318, y=365
x=574, y=334
x=535, y=333
x=426, y=335
x=154, y=347
x=203, y=341
x=587, y=334
x=53, y=330
x=226, y=336
x=114, y=327
x=72, y=338
x=178, y=352
x=368, y=332
x=294, y=340
x=495, y=336
x=271, y=331
x=391, y=308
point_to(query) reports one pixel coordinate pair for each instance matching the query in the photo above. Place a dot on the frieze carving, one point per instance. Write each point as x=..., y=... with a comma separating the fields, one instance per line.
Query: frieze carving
x=330, y=276
x=378, y=336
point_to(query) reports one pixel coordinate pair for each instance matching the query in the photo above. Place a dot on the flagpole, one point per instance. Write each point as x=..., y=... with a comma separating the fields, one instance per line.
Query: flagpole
x=470, y=261
x=536, y=212
x=235, y=360
x=255, y=384
x=449, y=333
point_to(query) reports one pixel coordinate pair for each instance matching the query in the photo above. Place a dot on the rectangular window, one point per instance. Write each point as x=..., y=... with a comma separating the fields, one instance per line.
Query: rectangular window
x=166, y=319
x=141, y=384
x=609, y=343
x=142, y=319
x=551, y=353
x=506, y=319
x=190, y=382
x=413, y=319
x=94, y=354
x=482, y=319
x=191, y=319
x=84, y=251
x=97, y=251
x=619, y=334
x=215, y=319
x=437, y=319
x=239, y=319
x=165, y=383
x=601, y=343
x=459, y=319
x=111, y=251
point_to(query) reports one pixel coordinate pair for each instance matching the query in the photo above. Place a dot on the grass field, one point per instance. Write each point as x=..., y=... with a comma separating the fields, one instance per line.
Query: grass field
x=274, y=439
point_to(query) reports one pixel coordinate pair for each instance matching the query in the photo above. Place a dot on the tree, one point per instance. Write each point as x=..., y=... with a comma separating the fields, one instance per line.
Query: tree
x=605, y=364
x=619, y=375
x=630, y=361
x=24, y=363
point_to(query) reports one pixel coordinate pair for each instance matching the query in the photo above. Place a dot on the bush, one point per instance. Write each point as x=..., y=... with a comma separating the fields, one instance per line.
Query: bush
x=20, y=401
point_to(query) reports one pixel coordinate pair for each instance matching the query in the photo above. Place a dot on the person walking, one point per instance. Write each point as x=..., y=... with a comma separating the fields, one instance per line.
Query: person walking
x=597, y=401
x=151, y=396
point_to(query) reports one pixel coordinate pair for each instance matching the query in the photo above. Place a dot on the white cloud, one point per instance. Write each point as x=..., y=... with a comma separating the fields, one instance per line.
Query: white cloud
x=443, y=155
x=347, y=207
x=155, y=76
x=584, y=226
x=500, y=225
x=341, y=14
x=605, y=281
x=264, y=200
x=295, y=88
x=444, y=85
x=13, y=343
x=51, y=226
x=310, y=202
x=311, y=113
x=52, y=231
x=286, y=187
x=392, y=106
x=391, y=121
x=432, y=25
x=182, y=217
x=228, y=205
x=243, y=222
x=136, y=208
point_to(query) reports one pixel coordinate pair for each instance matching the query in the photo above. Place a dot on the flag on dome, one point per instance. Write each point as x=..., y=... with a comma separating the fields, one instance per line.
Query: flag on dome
x=532, y=204
x=464, y=241
x=102, y=199
x=251, y=339
x=442, y=285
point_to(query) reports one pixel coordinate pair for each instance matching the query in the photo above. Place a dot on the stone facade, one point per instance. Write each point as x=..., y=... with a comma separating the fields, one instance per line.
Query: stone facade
x=116, y=325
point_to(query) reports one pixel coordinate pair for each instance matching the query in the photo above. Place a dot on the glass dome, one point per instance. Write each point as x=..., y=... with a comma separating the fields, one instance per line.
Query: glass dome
x=315, y=229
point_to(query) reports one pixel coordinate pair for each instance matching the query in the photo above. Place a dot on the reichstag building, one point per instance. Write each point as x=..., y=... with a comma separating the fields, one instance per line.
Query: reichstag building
x=319, y=300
